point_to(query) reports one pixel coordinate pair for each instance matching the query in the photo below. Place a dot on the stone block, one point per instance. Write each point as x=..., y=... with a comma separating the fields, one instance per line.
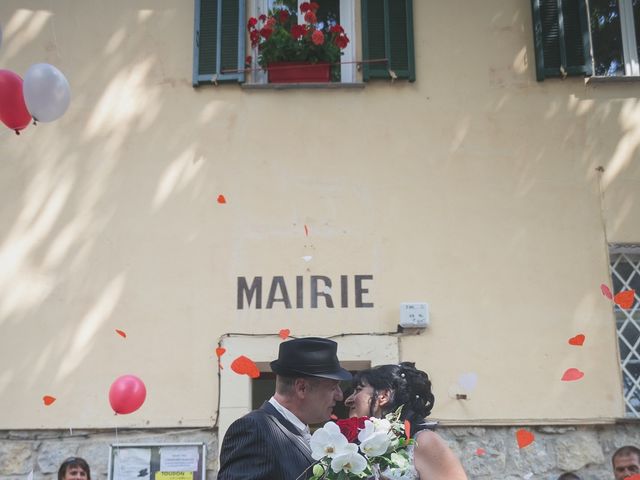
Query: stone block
x=53, y=453
x=577, y=450
x=16, y=458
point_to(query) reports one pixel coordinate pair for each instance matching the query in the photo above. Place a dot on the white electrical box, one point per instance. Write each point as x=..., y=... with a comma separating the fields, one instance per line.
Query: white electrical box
x=414, y=315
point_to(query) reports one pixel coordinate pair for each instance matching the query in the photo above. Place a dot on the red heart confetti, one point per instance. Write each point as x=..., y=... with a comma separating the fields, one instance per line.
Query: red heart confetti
x=625, y=299
x=524, y=438
x=221, y=199
x=578, y=340
x=245, y=366
x=606, y=291
x=634, y=477
x=572, y=374
x=407, y=429
x=48, y=400
x=284, y=333
x=121, y=333
x=306, y=231
x=480, y=452
x=220, y=351
x=220, y=366
x=334, y=417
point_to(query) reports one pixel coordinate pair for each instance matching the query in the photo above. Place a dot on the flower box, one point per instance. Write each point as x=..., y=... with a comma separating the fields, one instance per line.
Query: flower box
x=298, y=72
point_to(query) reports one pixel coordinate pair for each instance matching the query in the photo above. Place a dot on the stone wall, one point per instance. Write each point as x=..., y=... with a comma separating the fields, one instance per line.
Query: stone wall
x=586, y=450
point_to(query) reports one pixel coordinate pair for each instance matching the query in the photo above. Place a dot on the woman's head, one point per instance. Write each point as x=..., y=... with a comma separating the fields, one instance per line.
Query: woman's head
x=382, y=389
x=74, y=468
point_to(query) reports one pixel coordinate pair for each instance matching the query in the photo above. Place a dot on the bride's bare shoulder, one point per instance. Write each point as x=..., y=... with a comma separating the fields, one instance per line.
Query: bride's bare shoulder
x=434, y=459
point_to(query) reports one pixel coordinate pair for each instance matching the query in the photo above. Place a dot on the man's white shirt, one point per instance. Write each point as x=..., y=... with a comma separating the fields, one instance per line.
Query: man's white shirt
x=286, y=413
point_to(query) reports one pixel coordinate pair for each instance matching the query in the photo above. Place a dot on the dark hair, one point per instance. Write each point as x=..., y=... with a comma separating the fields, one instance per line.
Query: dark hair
x=624, y=451
x=74, y=462
x=569, y=476
x=408, y=387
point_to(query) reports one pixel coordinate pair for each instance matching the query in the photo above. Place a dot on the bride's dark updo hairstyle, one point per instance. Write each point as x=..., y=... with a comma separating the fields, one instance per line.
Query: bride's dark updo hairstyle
x=408, y=387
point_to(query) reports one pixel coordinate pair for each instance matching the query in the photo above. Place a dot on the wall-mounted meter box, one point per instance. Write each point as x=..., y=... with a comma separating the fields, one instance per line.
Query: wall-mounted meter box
x=414, y=315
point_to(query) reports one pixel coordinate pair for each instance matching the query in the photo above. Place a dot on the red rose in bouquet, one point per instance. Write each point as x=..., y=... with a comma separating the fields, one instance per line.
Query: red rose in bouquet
x=350, y=427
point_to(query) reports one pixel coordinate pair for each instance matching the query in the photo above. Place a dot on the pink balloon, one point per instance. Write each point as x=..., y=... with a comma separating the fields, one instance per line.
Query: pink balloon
x=127, y=394
x=13, y=109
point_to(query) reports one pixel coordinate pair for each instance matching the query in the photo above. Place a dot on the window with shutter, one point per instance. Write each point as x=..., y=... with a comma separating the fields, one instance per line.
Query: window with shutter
x=387, y=39
x=561, y=36
x=218, y=41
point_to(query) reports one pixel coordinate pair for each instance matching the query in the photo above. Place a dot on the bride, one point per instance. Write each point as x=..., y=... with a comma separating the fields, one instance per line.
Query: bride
x=381, y=390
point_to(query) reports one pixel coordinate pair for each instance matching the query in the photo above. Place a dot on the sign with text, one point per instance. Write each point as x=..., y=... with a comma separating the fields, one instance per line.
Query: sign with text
x=311, y=291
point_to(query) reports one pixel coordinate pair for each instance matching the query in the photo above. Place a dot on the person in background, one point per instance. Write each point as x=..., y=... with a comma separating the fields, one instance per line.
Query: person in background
x=569, y=476
x=272, y=443
x=74, y=468
x=626, y=462
x=381, y=390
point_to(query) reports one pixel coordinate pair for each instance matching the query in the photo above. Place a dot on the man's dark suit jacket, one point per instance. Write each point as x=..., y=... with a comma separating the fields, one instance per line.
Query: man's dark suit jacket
x=263, y=445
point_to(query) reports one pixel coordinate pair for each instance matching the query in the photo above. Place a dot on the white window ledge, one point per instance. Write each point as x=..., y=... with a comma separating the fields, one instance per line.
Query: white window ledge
x=291, y=86
x=619, y=79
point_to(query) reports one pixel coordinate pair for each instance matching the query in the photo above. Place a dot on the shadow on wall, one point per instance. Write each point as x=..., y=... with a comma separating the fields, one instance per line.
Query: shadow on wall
x=101, y=210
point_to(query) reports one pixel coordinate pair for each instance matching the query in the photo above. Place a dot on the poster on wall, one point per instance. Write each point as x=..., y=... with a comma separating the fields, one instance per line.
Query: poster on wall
x=169, y=461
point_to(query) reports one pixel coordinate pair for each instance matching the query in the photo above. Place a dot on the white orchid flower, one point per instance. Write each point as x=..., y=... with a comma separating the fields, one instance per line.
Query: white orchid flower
x=327, y=441
x=349, y=460
x=372, y=442
x=381, y=424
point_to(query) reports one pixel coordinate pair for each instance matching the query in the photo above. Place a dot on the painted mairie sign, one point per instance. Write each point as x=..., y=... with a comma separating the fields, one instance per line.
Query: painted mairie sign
x=312, y=291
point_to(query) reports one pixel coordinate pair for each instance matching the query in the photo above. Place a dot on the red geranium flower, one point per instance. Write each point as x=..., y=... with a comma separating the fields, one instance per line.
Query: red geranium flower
x=305, y=7
x=314, y=6
x=317, y=37
x=252, y=23
x=336, y=29
x=298, y=31
x=255, y=37
x=350, y=427
x=310, y=17
x=266, y=33
x=283, y=15
x=262, y=17
x=341, y=41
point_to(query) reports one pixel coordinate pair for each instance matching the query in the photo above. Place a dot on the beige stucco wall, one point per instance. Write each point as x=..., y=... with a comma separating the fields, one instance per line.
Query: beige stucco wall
x=474, y=189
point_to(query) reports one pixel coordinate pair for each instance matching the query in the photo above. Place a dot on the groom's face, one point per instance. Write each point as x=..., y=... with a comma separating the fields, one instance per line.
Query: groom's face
x=321, y=396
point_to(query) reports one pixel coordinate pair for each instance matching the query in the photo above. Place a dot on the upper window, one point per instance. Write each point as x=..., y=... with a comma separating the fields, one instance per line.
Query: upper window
x=386, y=39
x=576, y=37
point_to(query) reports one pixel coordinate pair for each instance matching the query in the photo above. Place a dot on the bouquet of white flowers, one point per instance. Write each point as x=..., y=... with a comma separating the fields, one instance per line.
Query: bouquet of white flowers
x=363, y=447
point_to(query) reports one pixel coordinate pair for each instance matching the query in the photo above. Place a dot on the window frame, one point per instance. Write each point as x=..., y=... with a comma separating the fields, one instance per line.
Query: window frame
x=347, y=21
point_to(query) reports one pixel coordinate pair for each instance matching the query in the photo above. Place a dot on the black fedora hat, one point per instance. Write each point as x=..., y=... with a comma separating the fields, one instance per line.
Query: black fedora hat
x=311, y=357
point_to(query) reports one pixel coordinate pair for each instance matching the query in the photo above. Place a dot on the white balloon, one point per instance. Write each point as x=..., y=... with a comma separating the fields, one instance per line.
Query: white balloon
x=46, y=92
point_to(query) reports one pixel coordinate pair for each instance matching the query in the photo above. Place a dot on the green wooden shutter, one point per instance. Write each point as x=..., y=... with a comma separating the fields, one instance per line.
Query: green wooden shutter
x=387, y=33
x=561, y=38
x=218, y=44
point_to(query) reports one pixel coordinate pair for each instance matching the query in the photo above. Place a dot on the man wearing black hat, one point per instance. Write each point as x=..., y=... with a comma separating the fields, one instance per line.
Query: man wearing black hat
x=272, y=443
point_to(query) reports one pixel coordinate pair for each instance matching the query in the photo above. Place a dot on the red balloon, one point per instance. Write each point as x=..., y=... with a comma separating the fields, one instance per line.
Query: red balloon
x=13, y=109
x=127, y=394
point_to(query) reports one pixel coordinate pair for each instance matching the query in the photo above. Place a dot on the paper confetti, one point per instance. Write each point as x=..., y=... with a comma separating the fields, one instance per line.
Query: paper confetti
x=625, y=299
x=524, y=438
x=284, y=333
x=121, y=333
x=606, y=291
x=634, y=477
x=480, y=452
x=221, y=199
x=48, y=400
x=307, y=258
x=407, y=429
x=572, y=374
x=220, y=351
x=306, y=231
x=245, y=366
x=334, y=417
x=468, y=381
x=578, y=340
